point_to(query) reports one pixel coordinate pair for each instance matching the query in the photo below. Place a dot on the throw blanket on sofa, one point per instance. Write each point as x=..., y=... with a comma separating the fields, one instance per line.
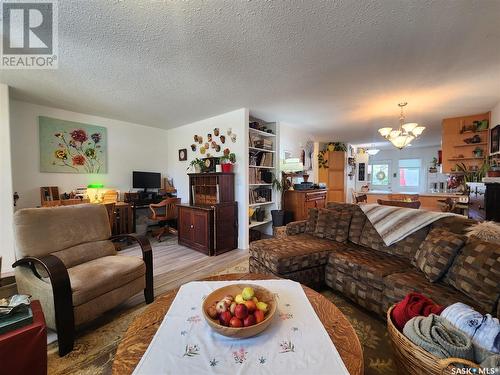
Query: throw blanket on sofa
x=484, y=331
x=395, y=223
x=414, y=304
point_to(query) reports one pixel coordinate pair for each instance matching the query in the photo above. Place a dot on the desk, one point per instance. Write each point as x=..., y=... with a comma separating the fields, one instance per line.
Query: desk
x=123, y=222
x=137, y=203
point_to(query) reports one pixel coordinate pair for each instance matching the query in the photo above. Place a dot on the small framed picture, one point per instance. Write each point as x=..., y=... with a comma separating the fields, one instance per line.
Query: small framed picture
x=183, y=154
x=495, y=140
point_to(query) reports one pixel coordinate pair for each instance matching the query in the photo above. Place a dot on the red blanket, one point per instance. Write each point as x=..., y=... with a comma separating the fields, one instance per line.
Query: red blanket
x=414, y=304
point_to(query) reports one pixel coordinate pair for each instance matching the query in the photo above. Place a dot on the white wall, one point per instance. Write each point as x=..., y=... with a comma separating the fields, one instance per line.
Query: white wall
x=6, y=202
x=394, y=155
x=182, y=137
x=130, y=147
x=495, y=116
x=293, y=139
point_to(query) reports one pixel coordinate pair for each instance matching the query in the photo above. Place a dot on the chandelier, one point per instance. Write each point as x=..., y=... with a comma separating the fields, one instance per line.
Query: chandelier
x=406, y=133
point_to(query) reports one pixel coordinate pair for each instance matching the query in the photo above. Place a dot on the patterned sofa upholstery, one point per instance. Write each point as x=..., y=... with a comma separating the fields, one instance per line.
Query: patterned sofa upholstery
x=372, y=274
x=300, y=257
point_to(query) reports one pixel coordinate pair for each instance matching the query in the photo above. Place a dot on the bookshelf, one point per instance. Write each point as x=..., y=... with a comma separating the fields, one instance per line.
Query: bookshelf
x=263, y=161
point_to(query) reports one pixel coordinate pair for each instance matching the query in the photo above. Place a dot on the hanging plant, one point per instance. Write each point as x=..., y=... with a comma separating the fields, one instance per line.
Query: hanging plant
x=336, y=146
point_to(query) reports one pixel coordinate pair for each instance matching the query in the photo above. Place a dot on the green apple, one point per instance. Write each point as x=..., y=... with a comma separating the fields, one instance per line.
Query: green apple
x=247, y=293
x=239, y=299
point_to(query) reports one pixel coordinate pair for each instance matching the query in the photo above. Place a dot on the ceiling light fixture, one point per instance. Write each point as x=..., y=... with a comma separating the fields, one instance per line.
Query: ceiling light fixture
x=406, y=132
x=372, y=151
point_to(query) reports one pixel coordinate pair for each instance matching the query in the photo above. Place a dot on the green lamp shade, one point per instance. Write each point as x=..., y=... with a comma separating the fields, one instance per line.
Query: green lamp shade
x=95, y=186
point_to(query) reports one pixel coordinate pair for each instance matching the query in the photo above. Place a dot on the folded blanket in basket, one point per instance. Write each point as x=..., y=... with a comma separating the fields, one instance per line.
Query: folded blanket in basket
x=435, y=335
x=484, y=331
x=414, y=304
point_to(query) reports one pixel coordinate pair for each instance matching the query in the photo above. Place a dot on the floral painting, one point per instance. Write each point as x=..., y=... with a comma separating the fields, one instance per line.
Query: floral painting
x=72, y=147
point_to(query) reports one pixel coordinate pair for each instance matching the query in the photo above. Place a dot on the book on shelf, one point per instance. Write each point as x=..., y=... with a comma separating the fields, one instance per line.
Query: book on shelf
x=259, y=142
x=254, y=176
x=260, y=195
x=263, y=159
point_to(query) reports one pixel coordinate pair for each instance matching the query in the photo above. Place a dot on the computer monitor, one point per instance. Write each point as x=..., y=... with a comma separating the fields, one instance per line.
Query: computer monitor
x=146, y=180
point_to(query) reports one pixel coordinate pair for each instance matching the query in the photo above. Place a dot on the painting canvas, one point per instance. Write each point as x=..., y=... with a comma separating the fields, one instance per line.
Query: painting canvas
x=72, y=147
x=495, y=140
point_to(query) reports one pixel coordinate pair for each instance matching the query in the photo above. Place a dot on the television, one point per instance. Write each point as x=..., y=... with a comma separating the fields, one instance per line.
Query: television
x=146, y=180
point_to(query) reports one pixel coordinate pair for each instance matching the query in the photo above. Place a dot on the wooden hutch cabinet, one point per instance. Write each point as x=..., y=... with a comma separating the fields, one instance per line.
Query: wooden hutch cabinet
x=209, y=223
x=300, y=201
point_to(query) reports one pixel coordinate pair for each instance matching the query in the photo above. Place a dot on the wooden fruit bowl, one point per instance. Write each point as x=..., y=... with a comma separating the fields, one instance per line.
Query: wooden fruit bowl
x=261, y=293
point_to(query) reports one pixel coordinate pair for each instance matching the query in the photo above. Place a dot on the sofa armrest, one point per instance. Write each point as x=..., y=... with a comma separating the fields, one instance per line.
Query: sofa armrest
x=296, y=227
x=147, y=257
x=61, y=290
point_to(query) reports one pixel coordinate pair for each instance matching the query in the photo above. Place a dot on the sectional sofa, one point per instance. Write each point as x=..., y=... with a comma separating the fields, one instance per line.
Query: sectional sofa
x=339, y=247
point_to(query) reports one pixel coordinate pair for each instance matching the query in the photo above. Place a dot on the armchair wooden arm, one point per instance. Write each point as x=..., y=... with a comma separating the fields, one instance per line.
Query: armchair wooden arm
x=63, y=298
x=147, y=256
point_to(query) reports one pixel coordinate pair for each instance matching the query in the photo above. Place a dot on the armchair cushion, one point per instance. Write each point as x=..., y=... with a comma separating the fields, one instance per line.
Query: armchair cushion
x=85, y=252
x=92, y=279
x=41, y=231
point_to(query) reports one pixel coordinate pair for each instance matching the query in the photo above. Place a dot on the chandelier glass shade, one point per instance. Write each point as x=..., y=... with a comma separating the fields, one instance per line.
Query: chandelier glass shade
x=372, y=151
x=403, y=135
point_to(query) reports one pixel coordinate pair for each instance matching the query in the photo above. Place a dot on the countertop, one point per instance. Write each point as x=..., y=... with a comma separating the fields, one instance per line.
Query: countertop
x=385, y=192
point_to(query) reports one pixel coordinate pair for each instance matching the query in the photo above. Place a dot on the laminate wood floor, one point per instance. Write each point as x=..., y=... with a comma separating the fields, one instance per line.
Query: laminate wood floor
x=174, y=264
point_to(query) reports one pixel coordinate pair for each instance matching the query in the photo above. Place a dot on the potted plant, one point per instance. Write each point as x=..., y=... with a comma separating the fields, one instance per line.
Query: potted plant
x=478, y=152
x=279, y=216
x=227, y=162
x=197, y=165
x=474, y=175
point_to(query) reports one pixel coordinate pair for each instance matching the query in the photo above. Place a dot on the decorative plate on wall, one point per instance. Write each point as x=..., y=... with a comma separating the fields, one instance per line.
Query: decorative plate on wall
x=183, y=154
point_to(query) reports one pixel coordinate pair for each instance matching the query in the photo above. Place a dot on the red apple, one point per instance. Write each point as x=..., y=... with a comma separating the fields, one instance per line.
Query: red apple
x=235, y=322
x=249, y=321
x=251, y=306
x=225, y=318
x=241, y=311
x=259, y=316
x=212, y=312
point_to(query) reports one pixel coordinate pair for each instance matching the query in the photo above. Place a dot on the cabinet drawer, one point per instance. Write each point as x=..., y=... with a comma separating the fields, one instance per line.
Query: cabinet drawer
x=315, y=196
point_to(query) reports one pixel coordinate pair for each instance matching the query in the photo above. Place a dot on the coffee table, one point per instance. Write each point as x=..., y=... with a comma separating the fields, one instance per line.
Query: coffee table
x=142, y=329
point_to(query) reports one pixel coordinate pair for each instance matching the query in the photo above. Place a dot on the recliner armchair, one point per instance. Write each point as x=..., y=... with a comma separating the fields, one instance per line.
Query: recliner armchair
x=66, y=258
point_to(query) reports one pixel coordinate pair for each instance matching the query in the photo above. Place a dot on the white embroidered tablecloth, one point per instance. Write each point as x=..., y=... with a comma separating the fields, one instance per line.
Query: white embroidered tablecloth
x=295, y=343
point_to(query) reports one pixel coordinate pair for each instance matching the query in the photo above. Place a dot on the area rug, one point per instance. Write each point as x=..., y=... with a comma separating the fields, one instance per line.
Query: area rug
x=96, y=345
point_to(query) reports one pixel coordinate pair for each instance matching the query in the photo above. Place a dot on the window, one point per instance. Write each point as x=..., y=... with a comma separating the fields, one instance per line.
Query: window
x=379, y=174
x=409, y=172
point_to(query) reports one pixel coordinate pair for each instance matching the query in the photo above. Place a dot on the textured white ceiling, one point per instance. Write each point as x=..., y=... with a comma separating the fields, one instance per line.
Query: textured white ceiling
x=336, y=67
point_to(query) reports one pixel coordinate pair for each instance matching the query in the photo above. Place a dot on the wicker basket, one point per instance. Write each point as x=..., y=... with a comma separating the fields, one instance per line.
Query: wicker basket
x=411, y=359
